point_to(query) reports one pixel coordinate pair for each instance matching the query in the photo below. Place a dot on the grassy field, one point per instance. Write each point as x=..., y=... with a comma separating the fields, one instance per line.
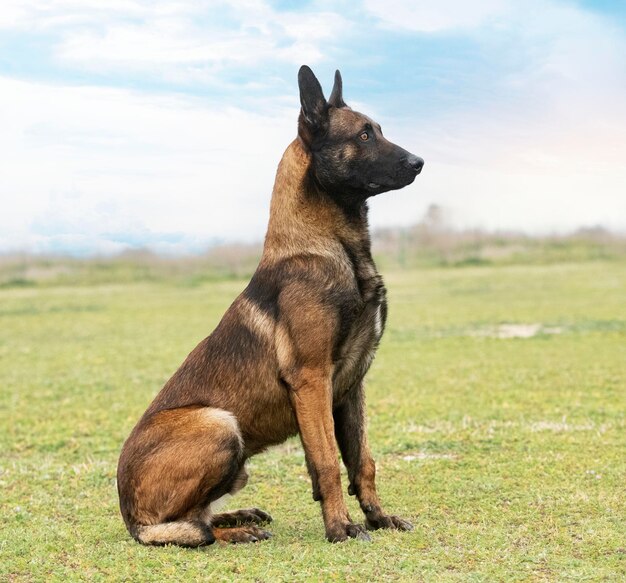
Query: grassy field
x=507, y=452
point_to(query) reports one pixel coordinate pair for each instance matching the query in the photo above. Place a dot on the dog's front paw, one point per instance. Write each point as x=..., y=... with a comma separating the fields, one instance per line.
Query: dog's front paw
x=344, y=531
x=376, y=521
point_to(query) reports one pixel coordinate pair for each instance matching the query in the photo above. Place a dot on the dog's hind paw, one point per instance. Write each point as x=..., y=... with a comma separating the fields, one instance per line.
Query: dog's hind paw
x=241, y=534
x=241, y=517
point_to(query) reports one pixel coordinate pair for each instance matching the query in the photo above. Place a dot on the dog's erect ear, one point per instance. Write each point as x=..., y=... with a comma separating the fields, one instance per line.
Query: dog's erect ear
x=314, y=112
x=336, y=96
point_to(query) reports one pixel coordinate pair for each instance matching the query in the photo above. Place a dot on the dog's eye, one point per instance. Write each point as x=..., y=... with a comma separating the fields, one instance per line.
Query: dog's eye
x=364, y=136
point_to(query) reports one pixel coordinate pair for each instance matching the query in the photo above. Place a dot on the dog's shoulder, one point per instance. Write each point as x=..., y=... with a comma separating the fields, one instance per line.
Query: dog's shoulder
x=314, y=276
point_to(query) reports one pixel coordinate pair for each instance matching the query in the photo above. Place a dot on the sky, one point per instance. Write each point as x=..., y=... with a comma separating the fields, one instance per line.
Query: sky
x=159, y=124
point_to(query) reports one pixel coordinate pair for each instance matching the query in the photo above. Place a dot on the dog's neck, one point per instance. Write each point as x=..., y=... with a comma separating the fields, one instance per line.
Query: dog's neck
x=305, y=219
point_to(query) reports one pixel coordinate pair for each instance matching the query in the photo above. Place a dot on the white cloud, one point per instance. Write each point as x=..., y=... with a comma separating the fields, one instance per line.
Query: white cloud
x=104, y=164
x=29, y=15
x=547, y=156
x=91, y=167
x=175, y=39
x=443, y=15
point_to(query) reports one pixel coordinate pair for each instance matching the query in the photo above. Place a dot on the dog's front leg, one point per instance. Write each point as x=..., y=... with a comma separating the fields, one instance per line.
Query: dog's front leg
x=350, y=430
x=311, y=396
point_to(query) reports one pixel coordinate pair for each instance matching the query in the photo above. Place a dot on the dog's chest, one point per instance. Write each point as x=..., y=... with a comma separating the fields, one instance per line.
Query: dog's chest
x=364, y=330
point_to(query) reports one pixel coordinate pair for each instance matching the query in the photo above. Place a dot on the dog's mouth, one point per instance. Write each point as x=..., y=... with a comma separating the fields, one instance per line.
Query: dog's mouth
x=377, y=187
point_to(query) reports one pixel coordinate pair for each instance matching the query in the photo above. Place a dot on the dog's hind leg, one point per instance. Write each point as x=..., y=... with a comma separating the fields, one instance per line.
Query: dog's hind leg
x=241, y=534
x=240, y=517
x=172, y=467
x=237, y=526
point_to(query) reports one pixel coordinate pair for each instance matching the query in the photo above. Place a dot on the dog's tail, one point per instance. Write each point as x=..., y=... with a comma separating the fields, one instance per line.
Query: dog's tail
x=181, y=533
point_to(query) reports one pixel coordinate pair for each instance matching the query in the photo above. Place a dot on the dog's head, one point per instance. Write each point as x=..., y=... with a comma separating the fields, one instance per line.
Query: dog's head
x=351, y=158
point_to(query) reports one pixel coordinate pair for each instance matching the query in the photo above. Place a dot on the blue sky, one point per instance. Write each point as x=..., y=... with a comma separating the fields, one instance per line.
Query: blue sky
x=160, y=124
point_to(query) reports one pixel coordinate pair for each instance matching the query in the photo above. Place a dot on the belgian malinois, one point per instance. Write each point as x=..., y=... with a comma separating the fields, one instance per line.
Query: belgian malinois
x=290, y=354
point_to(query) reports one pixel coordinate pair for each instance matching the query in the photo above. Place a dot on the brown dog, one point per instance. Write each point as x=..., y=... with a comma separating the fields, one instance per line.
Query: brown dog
x=289, y=355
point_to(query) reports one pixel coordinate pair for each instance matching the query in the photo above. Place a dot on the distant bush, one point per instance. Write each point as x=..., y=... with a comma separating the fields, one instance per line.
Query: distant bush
x=17, y=282
x=434, y=242
x=431, y=242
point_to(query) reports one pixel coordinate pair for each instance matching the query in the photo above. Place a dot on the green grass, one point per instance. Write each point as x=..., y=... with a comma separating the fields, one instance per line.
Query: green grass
x=508, y=454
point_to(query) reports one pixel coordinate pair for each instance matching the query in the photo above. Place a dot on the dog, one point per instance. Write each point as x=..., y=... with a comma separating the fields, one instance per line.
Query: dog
x=290, y=354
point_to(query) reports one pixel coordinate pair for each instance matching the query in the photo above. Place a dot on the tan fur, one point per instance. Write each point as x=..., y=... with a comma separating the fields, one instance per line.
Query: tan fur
x=187, y=456
x=240, y=534
x=256, y=320
x=299, y=223
x=180, y=533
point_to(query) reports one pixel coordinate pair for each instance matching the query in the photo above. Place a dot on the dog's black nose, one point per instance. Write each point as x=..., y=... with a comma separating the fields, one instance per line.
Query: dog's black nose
x=415, y=162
